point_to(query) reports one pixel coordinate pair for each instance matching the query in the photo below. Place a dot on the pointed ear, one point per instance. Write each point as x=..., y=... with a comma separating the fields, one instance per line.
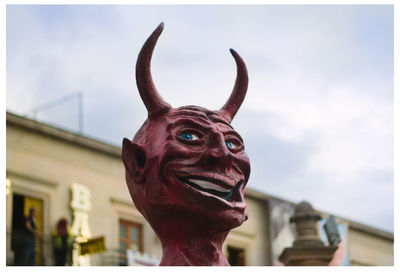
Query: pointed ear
x=134, y=158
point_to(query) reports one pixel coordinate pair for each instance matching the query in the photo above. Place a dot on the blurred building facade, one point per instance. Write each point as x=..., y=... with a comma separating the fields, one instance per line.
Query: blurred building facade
x=64, y=174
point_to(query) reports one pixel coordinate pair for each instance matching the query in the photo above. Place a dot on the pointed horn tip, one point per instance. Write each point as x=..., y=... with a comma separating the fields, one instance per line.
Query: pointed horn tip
x=157, y=32
x=235, y=54
x=160, y=26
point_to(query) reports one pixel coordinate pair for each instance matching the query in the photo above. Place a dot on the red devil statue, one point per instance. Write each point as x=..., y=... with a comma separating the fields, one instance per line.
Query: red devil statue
x=186, y=169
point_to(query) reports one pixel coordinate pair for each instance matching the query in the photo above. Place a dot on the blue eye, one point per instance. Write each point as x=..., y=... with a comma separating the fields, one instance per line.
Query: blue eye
x=230, y=145
x=189, y=136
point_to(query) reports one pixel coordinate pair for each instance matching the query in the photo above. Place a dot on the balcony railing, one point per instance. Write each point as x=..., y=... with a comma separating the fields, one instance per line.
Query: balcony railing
x=45, y=255
x=43, y=249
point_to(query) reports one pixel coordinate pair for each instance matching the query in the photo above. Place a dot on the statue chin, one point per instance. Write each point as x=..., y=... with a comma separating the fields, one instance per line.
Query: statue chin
x=179, y=211
x=199, y=221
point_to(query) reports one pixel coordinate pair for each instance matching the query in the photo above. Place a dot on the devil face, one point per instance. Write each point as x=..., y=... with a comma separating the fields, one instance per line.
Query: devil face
x=205, y=159
x=187, y=163
x=194, y=166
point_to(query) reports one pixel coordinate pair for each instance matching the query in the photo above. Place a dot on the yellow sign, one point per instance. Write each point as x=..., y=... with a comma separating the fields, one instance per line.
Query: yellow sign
x=92, y=246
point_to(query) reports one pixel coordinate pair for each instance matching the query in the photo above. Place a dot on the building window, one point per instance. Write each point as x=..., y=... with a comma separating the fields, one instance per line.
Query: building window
x=236, y=256
x=130, y=237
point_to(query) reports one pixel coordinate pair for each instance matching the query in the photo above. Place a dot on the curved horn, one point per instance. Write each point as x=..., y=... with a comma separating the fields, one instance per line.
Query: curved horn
x=152, y=100
x=239, y=90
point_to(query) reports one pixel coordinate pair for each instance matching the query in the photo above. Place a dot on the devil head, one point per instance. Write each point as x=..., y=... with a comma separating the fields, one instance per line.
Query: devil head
x=187, y=165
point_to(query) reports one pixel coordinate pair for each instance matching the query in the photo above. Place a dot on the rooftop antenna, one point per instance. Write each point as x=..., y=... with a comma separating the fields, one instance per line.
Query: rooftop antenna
x=76, y=95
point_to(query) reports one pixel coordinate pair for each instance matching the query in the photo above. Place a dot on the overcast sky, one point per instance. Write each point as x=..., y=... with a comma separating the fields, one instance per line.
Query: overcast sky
x=318, y=117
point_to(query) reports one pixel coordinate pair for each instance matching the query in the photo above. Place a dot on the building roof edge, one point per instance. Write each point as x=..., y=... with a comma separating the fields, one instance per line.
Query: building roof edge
x=63, y=134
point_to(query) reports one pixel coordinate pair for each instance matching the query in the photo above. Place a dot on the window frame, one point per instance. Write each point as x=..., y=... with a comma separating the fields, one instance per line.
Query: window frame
x=127, y=240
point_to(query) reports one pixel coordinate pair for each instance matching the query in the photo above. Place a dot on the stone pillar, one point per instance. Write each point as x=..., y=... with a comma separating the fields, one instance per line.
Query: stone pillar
x=307, y=249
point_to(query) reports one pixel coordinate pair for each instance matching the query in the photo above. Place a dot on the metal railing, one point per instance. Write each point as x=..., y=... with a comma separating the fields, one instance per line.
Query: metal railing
x=45, y=255
x=110, y=257
x=43, y=249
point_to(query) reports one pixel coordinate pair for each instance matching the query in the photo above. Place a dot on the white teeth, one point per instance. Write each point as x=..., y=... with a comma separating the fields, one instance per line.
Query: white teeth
x=209, y=185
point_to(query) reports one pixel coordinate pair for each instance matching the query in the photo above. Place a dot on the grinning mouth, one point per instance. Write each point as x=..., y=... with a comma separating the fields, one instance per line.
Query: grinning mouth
x=214, y=187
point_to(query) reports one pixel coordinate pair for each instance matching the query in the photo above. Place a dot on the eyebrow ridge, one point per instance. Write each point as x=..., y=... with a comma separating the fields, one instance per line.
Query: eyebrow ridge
x=202, y=122
x=190, y=113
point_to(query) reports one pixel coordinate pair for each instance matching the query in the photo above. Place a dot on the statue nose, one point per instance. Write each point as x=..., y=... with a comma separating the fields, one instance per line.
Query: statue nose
x=217, y=155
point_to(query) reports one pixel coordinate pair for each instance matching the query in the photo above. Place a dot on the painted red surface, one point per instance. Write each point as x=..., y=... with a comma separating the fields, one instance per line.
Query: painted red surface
x=186, y=170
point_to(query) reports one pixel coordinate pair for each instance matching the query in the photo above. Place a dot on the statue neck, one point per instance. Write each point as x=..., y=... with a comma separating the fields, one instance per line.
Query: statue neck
x=184, y=246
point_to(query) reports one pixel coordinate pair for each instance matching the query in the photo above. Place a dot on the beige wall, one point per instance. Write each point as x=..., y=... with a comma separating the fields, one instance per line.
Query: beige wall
x=367, y=249
x=46, y=167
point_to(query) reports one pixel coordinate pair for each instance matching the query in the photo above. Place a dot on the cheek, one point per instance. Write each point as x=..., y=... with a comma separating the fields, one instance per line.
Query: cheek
x=175, y=149
x=175, y=154
x=243, y=163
